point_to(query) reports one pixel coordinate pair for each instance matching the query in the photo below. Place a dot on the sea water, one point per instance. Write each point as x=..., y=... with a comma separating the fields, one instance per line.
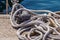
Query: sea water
x=52, y=5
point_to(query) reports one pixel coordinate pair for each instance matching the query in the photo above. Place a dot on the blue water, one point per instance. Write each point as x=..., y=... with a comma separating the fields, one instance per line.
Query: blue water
x=53, y=5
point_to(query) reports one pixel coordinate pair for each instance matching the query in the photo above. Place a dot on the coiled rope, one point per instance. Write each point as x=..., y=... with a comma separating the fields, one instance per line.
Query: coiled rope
x=33, y=26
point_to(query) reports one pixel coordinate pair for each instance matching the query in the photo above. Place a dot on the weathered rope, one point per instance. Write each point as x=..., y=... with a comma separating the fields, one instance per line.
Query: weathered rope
x=33, y=26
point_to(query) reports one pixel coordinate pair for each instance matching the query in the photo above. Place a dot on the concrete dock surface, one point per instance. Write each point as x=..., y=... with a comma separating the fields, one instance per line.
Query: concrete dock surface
x=6, y=30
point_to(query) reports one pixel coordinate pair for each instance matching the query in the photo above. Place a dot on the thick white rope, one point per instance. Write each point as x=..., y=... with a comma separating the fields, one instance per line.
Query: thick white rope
x=35, y=23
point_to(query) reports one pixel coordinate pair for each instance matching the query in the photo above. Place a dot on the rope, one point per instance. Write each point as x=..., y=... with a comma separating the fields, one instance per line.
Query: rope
x=33, y=26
